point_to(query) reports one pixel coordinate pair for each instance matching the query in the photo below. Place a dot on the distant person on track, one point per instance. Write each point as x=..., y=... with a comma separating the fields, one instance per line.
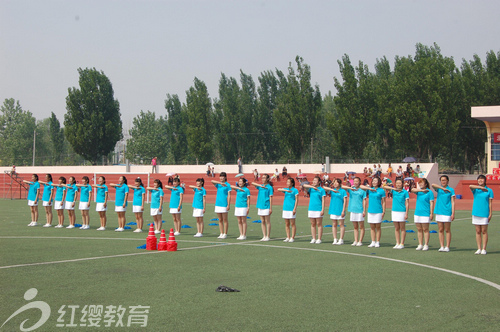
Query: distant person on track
x=153, y=163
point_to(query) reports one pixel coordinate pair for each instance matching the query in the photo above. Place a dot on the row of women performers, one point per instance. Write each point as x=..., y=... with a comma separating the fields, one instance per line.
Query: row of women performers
x=364, y=201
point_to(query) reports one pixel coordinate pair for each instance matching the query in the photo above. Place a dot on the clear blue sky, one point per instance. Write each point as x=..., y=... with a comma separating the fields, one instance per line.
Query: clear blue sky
x=151, y=48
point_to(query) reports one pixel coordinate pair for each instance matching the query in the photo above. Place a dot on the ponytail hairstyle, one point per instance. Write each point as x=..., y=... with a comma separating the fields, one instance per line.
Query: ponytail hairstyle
x=138, y=180
x=49, y=177
x=319, y=179
x=425, y=181
x=103, y=179
x=201, y=181
x=124, y=179
x=160, y=185
x=86, y=179
x=267, y=179
x=36, y=177
x=63, y=179
x=292, y=181
x=72, y=181
x=379, y=181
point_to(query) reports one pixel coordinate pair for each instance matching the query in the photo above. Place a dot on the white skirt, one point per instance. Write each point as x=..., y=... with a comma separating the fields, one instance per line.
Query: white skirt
x=32, y=203
x=374, y=218
x=240, y=212
x=314, y=214
x=288, y=215
x=83, y=206
x=137, y=209
x=99, y=207
x=58, y=205
x=69, y=205
x=479, y=220
x=421, y=220
x=336, y=217
x=357, y=217
x=220, y=209
x=175, y=211
x=398, y=216
x=120, y=208
x=47, y=203
x=197, y=212
x=156, y=212
x=443, y=218
x=263, y=212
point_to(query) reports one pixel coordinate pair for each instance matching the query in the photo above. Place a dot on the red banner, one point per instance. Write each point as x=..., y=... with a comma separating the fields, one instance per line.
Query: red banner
x=496, y=137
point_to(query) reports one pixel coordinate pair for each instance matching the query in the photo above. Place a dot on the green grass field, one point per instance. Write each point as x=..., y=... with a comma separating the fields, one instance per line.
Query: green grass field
x=284, y=286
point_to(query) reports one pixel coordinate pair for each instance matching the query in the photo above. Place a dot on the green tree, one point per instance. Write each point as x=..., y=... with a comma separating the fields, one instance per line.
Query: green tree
x=92, y=123
x=16, y=134
x=266, y=142
x=148, y=138
x=56, y=138
x=199, y=112
x=176, y=130
x=298, y=107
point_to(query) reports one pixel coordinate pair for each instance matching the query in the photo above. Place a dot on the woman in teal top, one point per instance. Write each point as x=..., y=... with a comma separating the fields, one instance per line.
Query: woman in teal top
x=423, y=213
x=357, y=208
x=222, y=203
x=290, y=209
x=242, y=206
x=316, y=209
x=338, y=205
x=59, y=200
x=399, y=214
x=101, y=200
x=444, y=211
x=199, y=205
x=48, y=198
x=376, y=210
x=71, y=197
x=85, y=194
x=157, y=204
x=265, y=205
x=138, y=204
x=482, y=209
x=33, y=193
x=176, y=197
x=121, y=197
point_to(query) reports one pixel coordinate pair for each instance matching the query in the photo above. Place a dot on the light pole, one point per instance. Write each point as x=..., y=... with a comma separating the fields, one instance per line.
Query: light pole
x=34, y=142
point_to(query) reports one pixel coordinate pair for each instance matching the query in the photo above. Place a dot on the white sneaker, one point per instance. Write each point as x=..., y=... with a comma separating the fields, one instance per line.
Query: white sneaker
x=441, y=249
x=179, y=233
x=446, y=249
x=401, y=246
x=157, y=232
x=318, y=241
x=419, y=247
x=224, y=236
x=266, y=239
x=313, y=241
x=340, y=242
x=396, y=246
x=47, y=225
x=138, y=230
x=70, y=226
x=354, y=244
x=198, y=235
x=59, y=226
x=334, y=241
x=371, y=245
x=483, y=252
x=83, y=227
x=359, y=244
x=425, y=248
x=243, y=237
x=101, y=229
x=219, y=237
x=286, y=240
x=119, y=229
x=478, y=252
x=377, y=244
x=291, y=240
x=31, y=224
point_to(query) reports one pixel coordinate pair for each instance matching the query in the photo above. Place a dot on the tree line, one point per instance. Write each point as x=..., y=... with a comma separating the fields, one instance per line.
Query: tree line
x=420, y=107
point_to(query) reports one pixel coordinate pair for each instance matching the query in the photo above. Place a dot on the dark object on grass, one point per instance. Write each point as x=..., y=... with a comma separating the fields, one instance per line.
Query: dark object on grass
x=225, y=289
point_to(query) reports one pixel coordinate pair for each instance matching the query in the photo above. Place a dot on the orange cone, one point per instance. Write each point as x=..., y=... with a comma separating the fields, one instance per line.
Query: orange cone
x=171, y=244
x=151, y=239
x=162, y=246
